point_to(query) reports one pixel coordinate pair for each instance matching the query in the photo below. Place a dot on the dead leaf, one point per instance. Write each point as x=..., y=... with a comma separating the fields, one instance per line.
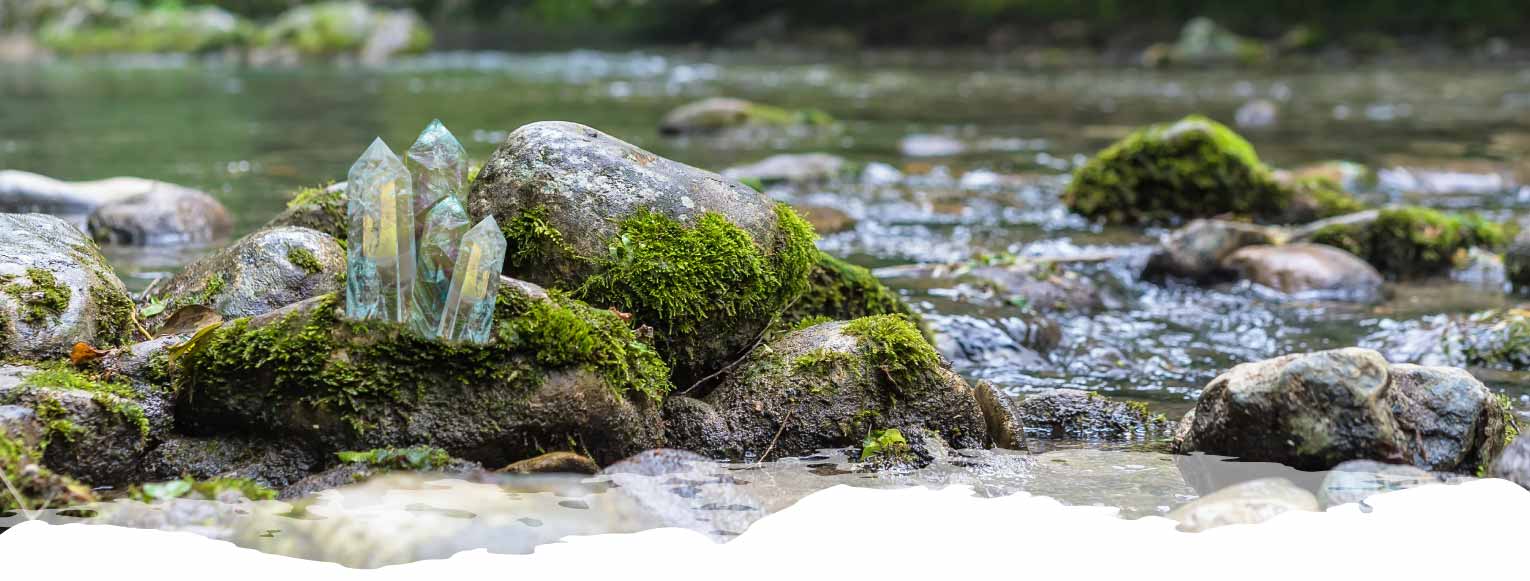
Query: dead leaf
x=83, y=353
x=625, y=317
x=188, y=319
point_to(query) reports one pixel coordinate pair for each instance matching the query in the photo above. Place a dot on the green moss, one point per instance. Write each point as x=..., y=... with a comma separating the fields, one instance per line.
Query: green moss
x=885, y=445
x=418, y=458
x=893, y=345
x=1167, y=173
x=821, y=361
x=529, y=237
x=41, y=297
x=838, y=290
x=1411, y=242
x=37, y=487
x=562, y=332
x=114, y=315
x=1327, y=198
x=303, y=258
x=210, y=489
x=318, y=208
x=55, y=420
x=810, y=322
x=114, y=396
x=212, y=286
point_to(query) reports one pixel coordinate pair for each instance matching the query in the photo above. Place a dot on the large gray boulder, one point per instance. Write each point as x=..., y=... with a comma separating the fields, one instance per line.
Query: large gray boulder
x=56, y=290
x=166, y=214
x=705, y=261
x=557, y=375
x=1311, y=271
x=1314, y=411
x=262, y=272
x=833, y=384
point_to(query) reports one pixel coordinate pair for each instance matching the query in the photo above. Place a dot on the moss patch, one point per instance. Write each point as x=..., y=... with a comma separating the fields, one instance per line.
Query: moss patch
x=114, y=315
x=528, y=236
x=1167, y=173
x=885, y=446
x=1412, y=242
x=893, y=345
x=319, y=209
x=38, y=487
x=41, y=297
x=417, y=458
x=116, y=397
x=304, y=259
x=838, y=290
x=562, y=332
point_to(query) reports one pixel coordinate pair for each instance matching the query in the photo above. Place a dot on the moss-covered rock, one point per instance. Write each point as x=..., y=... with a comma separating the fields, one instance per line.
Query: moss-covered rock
x=39, y=488
x=262, y=272
x=1412, y=242
x=1086, y=415
x=321, y=208
x=119, y=27
x=347, y=27
x=840, y=291
x=1193, y=168
x=707, y=262
x=96, y=430
x=556, y=375
x=218, y=489
x=833, y=384
x=721, y=113
x=56, y=290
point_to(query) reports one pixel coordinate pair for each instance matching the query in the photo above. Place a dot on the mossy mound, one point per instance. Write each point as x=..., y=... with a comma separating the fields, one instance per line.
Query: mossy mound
x=557, y=375
x=321, y=208
x=834, y=384
x=1193, y=168
x=56, y=289
x=840, y=291
x=38, y=487
x=706, y=262
x=220, y=489
x=1412, y=242
x=95, y=429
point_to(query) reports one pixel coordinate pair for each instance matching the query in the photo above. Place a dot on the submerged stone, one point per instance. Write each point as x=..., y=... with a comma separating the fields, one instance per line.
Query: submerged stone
x=438, y=164
x=381, y=241
x=469, y=309
x=444, y=226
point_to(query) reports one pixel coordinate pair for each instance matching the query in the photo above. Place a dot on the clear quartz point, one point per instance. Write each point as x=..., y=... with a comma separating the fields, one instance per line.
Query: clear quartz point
x=439, y=165
x=380, y=256
x=469, y=312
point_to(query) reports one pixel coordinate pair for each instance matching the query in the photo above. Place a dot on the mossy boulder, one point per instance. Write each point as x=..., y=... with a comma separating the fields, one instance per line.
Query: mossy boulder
x=123, y=27
x=556, y=374
x=840, y=291
x=1193, y=168
x=96, y=430
x=321, y=208
x=1412, y=242
x=707, y=262
x=56, y=290
x=797, y=169
x=1315, y=411
x=1086, y=415
x=721, y=113
x=833, y=384
x=373, y=34
x=257, y=274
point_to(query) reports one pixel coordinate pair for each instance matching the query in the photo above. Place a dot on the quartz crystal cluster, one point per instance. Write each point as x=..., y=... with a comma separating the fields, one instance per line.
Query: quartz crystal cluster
x=412, y=257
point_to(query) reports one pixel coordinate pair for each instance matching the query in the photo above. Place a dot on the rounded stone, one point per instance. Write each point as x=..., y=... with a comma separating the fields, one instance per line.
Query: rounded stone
x=56, y=290
x=257, y=274
x=161, y=216
x=1308, y=271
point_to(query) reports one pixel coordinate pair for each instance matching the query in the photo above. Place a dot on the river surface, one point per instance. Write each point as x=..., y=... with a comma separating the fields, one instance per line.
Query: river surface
x=1450, y=137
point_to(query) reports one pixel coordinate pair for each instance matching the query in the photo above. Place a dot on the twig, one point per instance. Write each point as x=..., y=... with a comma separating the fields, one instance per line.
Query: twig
x=772, y=445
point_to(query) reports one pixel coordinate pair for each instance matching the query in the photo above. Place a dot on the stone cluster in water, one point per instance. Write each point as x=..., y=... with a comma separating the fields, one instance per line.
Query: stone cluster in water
x=412, y=257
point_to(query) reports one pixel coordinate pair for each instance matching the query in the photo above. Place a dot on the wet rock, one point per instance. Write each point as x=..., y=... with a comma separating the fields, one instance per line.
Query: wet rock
x=161, y=216
x=272, y=464
x=28, y=484
x=826, y=219
x=1256, y=114
x=554, y=463
x=1202, y=41
x=1308, y=271
x=56, y=290
x=1086, y=415
x=1514, y=464
x=832, y=384
x=1516, y=261
x=24, y=192
x=1360, y=219
x=1314, y=411
x=1005, y=419
x=721, y=113
x=1250, y=502
x=841, y=291
x=20, y=424
x=1194, y=168
x=694, y=425
x=318, y=208
x=257, y=274
x=380, y=462
x=97, y=431
x=1347, y=175
x=1356, y=480
x=556, y=371
x=143, y=362
x=976, y=343
x=791, y=168
x=1197, y=250
x=1482, y=269
x=703, y=260
x=1041, y=285
x=1412, y=242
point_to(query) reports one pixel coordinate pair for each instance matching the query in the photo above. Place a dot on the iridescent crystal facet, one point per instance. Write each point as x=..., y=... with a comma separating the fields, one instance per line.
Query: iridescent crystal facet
x=469, y=312
x=444, y=227
x=439, y=166
x=381, y=263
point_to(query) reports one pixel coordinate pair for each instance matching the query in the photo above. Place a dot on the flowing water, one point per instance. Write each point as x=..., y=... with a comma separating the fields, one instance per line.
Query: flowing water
x=1447, y=137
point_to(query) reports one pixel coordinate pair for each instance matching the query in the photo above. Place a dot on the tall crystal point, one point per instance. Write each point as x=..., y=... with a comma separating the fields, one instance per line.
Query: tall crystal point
x=439, y=166
x=445, y=224
x=469, y=310
x=380, y=278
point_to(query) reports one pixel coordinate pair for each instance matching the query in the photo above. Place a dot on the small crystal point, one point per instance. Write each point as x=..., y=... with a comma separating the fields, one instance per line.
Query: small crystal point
x=380, y=257
x=469, y=312
x=445, y=225
x=439, y=165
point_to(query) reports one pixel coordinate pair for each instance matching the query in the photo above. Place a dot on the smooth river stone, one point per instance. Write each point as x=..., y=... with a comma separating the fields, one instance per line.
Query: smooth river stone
x=444, y=226
x=438, y=164
x=381, y=242
x=475, y=279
